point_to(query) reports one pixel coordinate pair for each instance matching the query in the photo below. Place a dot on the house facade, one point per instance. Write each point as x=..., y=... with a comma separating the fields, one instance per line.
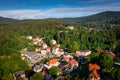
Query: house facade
x=83, y=52
x=50, y=63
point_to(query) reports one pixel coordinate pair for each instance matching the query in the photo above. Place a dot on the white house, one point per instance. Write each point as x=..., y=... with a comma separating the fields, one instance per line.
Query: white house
x=55, y=50
x=70, y=27
x=29, y=37
x=43, y=52
x=44, y=46
x=37, y=49
x=69, y=56
x=37, y=40
x=53, y=41
x=60, y=52
x=50, y=63
x=83, y=52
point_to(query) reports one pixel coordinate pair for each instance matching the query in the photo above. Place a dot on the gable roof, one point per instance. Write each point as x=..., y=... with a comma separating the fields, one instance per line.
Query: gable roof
x=112, y=54
x=107, y=51
x=93, y=67
x=65, y=58
x=53, y=61
x=73, y=62
x=94, y=74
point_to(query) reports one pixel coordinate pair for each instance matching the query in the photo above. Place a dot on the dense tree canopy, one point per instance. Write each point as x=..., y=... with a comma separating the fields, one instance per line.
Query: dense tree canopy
x=38, y=76
x=8, y=65
x=54, y=71
x=106, y=62
x=115, y=74
x=93, y=37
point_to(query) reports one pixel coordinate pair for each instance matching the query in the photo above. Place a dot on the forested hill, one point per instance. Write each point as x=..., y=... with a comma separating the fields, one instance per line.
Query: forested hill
x=7, y=20
x=96, y=20
x=111, y=17
x=108, y=15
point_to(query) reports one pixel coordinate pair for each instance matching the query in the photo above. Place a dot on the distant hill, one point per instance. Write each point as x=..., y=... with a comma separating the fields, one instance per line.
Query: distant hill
x=107, y=17
x=103, y=17
x=7, y=20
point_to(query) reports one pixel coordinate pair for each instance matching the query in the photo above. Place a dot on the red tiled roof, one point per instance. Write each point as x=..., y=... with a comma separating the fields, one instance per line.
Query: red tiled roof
x=93, y=67
x=105, y=51
x=53, y=61
x=101, y=51
x=65, y=58
x=94, y=74
x=112, y=54
x=73, y=62
x=48, y=48
x=35, y=40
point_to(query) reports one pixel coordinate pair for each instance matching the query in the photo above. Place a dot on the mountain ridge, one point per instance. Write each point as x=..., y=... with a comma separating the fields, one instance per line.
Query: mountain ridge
x=7, y=20
x=98, y=17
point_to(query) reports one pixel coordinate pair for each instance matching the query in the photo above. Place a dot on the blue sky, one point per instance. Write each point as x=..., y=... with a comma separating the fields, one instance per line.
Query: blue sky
x=40, y=9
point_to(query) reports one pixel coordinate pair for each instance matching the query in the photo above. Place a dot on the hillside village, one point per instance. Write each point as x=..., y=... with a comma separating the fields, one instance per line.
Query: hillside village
x=45, y=57
x=69, y=48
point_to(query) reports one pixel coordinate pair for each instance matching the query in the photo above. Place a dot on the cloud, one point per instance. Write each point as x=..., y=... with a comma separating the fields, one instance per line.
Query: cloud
x=98, y=0
x=93, y=1
x=22, y=14
x=58, y=12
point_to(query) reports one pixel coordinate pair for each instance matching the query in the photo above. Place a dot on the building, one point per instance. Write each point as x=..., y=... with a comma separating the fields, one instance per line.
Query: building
x=32, y=57
x=65, y=58
x=69, y=56
x=29, y=37
x=44, y=46
x=37, y=40
x=50, y=63
x=43, y=52
x=37, y=49
x=83, y=52
x=20, y=74
x=107, y=51
x=111, y=53
x=94, y=75
x=48, y=49
x=73, y=64
x=55, y=50
x=93, y=67
x=53, y=41
x=37, y=68
x=60, y=53
x=70, y=27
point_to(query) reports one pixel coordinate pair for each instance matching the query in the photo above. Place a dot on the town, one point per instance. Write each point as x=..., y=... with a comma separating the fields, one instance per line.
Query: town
x=73, y=48
x=44, y=58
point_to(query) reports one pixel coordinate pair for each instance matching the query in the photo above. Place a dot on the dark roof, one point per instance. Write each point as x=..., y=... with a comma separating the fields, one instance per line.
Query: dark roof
x=18, y=73
x=29, y=53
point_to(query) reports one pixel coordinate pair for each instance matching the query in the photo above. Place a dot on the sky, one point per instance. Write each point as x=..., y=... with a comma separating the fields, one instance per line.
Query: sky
x=40, y=9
